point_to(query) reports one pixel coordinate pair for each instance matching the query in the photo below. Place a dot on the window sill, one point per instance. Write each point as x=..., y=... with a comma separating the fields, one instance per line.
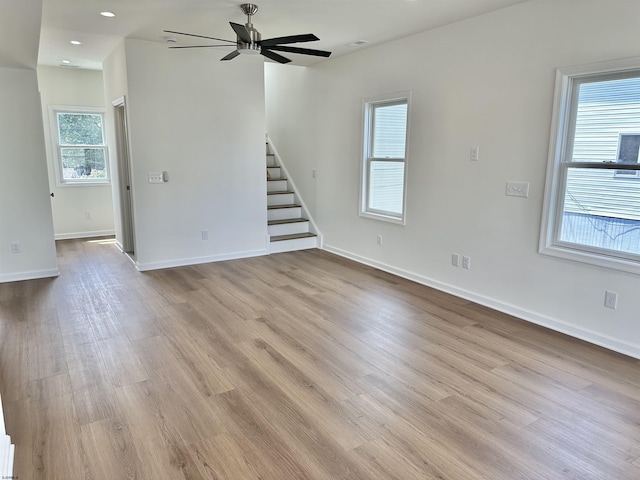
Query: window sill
x=598, y=259
x=104, y=183
x=383, y=218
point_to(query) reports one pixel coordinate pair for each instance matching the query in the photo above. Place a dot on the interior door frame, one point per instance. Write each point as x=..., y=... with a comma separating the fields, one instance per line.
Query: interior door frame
x=124, y=190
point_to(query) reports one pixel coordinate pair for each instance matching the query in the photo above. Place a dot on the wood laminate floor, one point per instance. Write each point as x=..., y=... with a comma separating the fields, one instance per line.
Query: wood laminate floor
x=299, y=365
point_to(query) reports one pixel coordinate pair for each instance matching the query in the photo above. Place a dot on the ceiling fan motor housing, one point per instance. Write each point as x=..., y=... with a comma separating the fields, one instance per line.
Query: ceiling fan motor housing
x=255, y=36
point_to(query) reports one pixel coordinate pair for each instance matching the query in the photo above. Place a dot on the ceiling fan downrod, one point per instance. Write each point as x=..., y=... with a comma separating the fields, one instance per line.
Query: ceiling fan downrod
x=252, y=47
x=249, y=9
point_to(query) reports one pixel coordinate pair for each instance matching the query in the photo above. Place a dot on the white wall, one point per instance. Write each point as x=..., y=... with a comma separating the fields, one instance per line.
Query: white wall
x=114, y=74
x=202, y=121
x=25, y=205
x=302, y=86
x=487, y=81
x=74, y=88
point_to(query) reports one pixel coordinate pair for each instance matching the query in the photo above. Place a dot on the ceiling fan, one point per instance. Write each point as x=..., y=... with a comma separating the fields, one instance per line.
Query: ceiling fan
x=249, y=41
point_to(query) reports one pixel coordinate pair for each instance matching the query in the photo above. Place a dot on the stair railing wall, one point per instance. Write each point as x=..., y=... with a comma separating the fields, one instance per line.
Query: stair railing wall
x=6, y=450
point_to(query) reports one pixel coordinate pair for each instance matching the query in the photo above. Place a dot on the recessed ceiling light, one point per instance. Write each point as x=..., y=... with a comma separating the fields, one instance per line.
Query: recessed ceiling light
x=357, y=43
x=66, y=62
x=108, y=14
x=75, y=42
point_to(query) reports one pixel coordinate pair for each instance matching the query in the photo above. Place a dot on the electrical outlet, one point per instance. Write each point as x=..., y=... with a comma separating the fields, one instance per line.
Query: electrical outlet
x=379, y=239
x=205, y=234
x=466, y=262
x=455, y=259
x=15, y=247
x=611, y=299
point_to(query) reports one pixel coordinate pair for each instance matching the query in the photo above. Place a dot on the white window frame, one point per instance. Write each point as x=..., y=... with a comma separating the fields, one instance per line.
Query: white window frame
x=368, y=105
x=56, y=147
x=559, y=148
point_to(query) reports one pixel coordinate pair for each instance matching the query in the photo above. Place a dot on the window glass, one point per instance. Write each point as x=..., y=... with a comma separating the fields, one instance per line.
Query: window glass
x=83, y=163
x=387, y=185
x=389, y=131
x=80, y=129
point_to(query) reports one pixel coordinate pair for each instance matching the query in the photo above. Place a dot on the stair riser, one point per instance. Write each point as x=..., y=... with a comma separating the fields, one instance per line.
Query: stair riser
x=288, y=228
x=296, y=244
x=275, y=172
x=276, y=186
x=284, y=213
x=280, y=199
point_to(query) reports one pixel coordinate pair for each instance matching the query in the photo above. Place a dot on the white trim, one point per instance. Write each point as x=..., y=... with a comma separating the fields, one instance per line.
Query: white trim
x=600, y=260
x=95, y=233
x=561, y=119
x=118, y=102
x=383, y=218
x=55, y=150
x=572, y=330
x=183, y=262
x=33, y=275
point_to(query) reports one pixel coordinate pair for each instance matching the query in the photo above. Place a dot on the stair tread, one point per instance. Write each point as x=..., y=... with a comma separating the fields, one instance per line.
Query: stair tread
x=287, y=220
x=280, y=192
x=288, y=205
x=292, y=236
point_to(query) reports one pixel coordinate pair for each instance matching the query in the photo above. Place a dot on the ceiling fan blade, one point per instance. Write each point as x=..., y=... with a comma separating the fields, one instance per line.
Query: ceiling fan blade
x=241, y=31
x=305, y=37
x=231, y=56
x=199, y=36
x=274, y=56
x=303, y=51
x=201, y=46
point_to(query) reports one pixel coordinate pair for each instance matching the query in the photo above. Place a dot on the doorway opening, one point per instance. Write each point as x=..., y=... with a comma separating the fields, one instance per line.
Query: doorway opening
x=124, y=178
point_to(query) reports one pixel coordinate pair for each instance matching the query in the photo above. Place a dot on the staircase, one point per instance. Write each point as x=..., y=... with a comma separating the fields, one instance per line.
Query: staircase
x=288, y=227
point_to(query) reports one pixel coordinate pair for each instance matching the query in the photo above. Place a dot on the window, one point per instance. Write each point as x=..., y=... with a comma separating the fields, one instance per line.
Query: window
x=384, y=166
x=79, y=146
x=592, y=197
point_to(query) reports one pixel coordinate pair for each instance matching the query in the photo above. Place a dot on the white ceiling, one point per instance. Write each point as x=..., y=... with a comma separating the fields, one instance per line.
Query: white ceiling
x=336, y=22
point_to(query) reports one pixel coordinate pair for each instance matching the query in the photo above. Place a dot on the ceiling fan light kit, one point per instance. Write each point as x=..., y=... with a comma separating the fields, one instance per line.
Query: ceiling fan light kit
x=249, y=41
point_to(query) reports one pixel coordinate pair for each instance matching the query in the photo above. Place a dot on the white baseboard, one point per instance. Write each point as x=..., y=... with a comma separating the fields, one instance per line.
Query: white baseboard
x=95, y=233
x=539, y=319
x=183, y=262
x=33, y=275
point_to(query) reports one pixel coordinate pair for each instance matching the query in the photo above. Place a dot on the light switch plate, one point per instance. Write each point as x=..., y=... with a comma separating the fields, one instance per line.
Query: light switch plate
x=474, y=154
x=517, y=189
